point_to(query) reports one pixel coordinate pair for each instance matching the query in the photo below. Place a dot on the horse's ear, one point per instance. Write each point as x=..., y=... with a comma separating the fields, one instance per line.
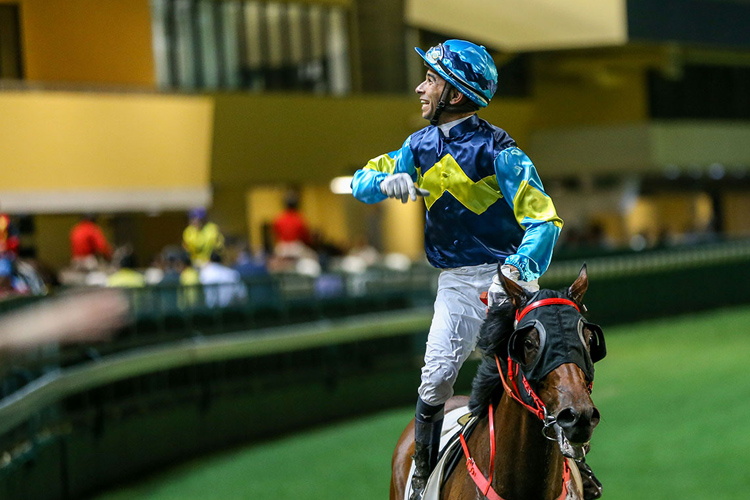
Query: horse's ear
x=579, y=286
x=515, y=292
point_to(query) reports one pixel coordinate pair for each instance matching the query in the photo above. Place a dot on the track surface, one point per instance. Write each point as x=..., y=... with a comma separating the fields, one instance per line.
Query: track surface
x=674, y=396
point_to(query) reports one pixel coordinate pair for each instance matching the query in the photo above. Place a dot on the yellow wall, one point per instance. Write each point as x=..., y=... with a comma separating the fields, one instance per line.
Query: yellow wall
x=403, y=228
x=324, y=212
x=151, y=233
x=67, y=141
x=263, y=204
x=296, y=138
x=92, y=41
x=736, y=208
x=670, y=213
x=51, y=238
x=590, y=98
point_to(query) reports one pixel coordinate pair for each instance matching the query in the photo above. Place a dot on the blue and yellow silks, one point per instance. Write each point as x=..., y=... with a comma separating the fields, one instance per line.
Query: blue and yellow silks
x=486, y=201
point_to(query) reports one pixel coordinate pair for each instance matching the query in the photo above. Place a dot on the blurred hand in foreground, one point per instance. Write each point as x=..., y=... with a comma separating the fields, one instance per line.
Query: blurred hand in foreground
x=80, y=317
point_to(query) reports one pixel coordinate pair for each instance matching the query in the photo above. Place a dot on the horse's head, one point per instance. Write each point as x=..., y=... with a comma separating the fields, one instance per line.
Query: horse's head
x=550, y=349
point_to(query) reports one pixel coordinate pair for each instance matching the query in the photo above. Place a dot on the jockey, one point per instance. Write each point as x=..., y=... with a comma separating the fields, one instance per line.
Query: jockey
x=485, y=206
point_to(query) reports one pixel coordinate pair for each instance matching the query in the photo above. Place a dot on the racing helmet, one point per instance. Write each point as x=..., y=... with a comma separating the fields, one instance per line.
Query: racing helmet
x=466, y=66
x=197, y=213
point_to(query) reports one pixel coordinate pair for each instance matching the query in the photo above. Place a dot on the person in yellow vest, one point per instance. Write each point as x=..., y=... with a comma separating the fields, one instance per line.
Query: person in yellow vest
x=126, y=276
x=201, y=238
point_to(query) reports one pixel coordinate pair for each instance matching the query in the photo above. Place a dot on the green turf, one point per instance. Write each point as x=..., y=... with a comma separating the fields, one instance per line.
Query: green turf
x=673, y=395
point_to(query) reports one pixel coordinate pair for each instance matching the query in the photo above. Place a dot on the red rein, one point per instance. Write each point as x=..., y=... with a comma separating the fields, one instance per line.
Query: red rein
x=485, y=484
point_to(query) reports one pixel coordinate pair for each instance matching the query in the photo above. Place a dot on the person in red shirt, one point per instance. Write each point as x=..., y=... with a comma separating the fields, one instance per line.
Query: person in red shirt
x=293, y=238
x=8, y=238
x=290, y=226
x=87, y=242
x=8, y=254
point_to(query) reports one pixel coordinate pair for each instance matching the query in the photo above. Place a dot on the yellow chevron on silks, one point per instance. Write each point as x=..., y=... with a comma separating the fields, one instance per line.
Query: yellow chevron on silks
x=534, y=204
x=382, y=163
x=446, y=175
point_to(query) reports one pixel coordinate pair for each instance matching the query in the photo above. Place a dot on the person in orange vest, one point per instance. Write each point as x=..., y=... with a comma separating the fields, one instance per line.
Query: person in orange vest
x=8, y=248
x=292, y=235
x=8, y=238
x=88, y=243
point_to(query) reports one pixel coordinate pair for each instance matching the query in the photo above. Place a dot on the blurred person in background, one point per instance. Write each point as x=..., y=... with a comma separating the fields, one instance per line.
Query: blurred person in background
x=9, y=286
x=189, y=282
x=201, y=238
x=173, y=265
x=8, y=241
x=222, y=285
x=8, y=237
x=486, y=207
x=88, y=244
x=291, y=233
x=179, y=275
x=154, y=273
x=248, y=264
x=126, y=275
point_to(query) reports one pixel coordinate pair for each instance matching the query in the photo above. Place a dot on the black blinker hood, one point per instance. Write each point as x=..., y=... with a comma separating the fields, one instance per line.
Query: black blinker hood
x=560, y=331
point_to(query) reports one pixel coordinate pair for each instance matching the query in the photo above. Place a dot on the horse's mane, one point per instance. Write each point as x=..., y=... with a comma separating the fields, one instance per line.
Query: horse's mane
x=493, y=339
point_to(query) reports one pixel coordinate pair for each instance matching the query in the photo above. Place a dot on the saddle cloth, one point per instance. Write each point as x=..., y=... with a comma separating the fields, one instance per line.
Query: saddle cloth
x=454, y=421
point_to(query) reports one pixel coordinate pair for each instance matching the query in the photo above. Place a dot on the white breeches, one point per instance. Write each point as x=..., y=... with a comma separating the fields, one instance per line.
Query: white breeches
x=459, y=313
x=454, y=332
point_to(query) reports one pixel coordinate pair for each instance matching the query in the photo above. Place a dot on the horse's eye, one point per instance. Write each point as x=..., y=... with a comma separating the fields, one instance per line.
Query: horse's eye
x=531, y=347
x=588, y=335
x=526, y=345
x=585, y=334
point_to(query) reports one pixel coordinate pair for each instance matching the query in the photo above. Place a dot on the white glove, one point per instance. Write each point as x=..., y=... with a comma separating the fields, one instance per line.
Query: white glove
x=496, y=294
x=401, y=186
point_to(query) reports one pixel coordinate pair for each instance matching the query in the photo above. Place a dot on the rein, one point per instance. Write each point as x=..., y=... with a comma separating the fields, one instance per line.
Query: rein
x=539, y=409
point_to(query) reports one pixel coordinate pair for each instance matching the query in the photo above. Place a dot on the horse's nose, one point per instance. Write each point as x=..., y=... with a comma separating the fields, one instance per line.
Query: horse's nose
x=578, y=423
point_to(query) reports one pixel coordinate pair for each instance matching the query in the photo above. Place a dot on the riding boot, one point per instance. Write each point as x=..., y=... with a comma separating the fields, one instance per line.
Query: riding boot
x=427, y=426
x=592, y=487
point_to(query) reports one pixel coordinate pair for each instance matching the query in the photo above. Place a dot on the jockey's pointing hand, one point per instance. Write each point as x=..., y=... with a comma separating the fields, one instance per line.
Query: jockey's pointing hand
x=401, y=186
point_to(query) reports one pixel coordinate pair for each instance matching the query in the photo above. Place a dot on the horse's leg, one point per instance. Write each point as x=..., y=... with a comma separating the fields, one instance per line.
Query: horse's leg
x=401, y=462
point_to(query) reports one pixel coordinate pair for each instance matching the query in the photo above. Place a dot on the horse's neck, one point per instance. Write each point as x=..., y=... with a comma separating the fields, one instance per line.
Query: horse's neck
x=527, y=465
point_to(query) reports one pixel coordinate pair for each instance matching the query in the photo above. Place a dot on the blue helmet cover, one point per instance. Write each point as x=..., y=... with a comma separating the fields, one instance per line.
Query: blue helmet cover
x=466, y=66
x=197, y=213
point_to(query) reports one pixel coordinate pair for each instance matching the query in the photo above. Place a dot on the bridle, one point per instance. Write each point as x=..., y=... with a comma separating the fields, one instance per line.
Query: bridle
x=537, y=407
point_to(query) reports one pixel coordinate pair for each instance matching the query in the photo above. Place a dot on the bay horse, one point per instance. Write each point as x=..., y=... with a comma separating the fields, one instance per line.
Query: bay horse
x=533, y=386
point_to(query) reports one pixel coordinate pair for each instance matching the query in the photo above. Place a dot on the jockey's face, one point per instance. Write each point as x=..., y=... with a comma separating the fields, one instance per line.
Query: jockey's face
x=429, y=92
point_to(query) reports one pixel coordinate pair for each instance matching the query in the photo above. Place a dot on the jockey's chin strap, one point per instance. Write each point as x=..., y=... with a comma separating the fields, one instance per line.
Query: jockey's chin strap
x=539, y=409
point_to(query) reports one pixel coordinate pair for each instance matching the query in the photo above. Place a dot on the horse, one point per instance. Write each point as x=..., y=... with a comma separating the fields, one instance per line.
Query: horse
x=533, y=386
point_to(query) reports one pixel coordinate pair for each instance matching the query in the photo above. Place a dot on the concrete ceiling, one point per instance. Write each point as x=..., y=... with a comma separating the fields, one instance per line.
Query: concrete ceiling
x=524, y=25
